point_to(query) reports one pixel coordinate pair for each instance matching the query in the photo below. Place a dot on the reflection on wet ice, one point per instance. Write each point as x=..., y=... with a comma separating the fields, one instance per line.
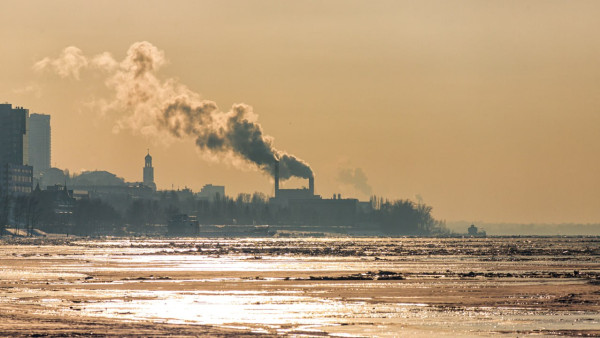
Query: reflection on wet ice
x=222, y=282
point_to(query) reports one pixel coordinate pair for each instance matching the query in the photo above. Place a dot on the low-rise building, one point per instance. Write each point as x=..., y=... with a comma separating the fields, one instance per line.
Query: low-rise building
x=211, y=192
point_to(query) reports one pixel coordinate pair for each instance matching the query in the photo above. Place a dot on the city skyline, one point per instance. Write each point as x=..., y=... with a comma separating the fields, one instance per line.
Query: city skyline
x=485, y=111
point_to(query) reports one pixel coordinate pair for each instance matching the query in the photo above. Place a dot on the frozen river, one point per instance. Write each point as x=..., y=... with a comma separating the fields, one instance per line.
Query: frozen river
x=314, y=287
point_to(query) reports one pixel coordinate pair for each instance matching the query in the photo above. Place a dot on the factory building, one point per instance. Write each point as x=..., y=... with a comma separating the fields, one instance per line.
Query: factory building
x=283, y=196
x=324, y=212
x=304, y=207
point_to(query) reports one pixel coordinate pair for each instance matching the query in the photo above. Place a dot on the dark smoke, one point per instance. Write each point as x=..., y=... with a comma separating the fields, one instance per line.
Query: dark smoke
x=233, y=132
x=292, y=166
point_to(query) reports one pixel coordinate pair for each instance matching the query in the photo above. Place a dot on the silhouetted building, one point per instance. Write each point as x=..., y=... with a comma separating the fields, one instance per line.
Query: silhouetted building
x=472, y=230
x=56, y=208
x=283, y=196
x=110, y=188
x=97, y=178
x=52, y=176
x=15, y=175
x=63, y=200
x=475, y=232
x=17, y=179
x=149, y=172
x=302, y=206
x=319, y=211
x=39, y=143
x=211, y=192
x=13, y=134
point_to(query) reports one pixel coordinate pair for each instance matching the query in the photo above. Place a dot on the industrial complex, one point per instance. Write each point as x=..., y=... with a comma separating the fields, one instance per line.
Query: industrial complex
x=35, y=195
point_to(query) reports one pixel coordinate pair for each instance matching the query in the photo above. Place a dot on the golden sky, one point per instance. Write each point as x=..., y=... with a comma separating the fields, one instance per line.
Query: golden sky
x=488, y=110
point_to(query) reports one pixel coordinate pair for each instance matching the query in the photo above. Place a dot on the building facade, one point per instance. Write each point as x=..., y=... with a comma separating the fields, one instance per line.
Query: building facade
x=211, y=192
x=16, y=176
x=18, y=179
x=39, y=143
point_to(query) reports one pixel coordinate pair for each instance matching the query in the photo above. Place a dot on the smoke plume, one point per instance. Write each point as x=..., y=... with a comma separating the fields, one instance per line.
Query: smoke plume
x=356, y=178
x=152, y=106
x=69, y=64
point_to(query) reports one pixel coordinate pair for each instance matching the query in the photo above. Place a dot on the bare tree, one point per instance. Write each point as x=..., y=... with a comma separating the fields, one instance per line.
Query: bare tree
x=33, y=212
x=5, y=201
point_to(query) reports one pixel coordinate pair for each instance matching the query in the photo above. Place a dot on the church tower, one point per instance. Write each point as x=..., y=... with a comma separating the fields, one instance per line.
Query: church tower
x=149, y=172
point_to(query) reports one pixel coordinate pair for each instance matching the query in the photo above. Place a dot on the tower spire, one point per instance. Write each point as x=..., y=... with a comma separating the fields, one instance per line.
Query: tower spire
x=149, y=171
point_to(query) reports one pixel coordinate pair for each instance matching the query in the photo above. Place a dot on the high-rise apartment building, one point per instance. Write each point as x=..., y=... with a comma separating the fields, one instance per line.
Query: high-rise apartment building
x=16, y=176
x=39, y=143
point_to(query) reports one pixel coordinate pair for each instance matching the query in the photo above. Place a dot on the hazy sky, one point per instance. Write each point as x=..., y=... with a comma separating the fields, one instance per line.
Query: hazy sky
x=488, y=110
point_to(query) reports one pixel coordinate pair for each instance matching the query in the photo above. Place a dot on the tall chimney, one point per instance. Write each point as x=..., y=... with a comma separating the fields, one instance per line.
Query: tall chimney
x=311, y=185
x=276, y=177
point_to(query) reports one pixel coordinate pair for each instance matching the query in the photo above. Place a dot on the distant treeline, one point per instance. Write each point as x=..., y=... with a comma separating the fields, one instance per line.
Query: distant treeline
x=60, y=213
x=403, y=217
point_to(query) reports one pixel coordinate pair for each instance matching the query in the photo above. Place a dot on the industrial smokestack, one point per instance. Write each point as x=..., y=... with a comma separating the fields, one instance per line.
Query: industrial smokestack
x=276, y=177
x=311, y=185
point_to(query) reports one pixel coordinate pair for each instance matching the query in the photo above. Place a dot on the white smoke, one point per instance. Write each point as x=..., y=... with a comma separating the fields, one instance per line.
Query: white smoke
x=150, y=105
x=356, y=178
x=69, y=64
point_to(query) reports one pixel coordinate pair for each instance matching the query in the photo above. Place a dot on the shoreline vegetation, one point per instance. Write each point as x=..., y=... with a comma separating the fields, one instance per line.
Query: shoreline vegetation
x=181, y=213
x=58, y=210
